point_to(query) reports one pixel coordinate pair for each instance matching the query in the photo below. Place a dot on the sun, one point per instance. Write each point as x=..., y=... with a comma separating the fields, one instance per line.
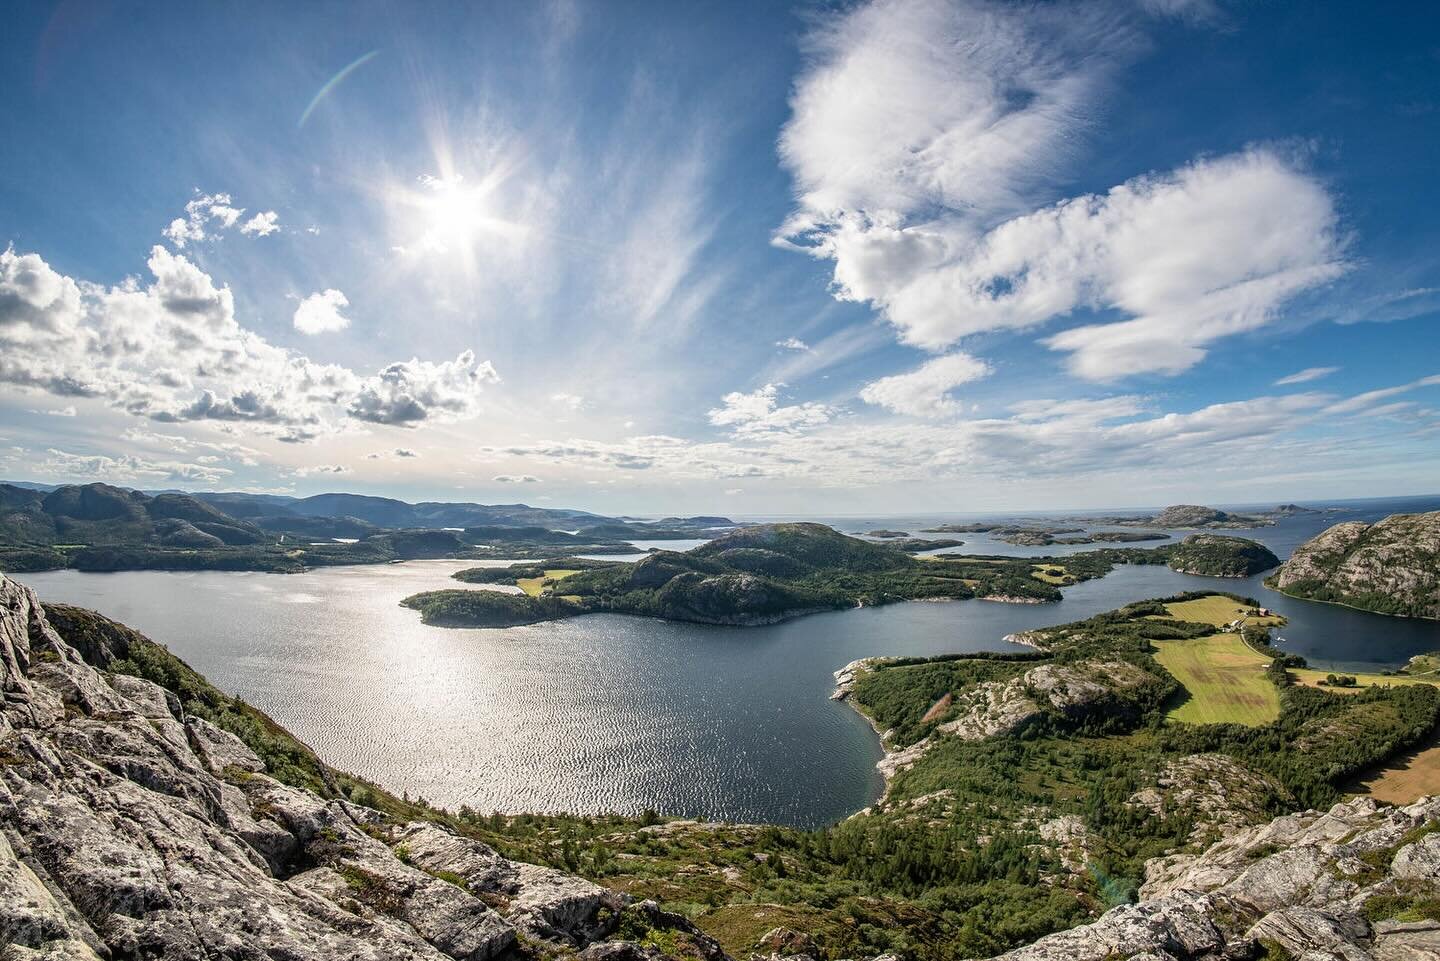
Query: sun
x=454, y=212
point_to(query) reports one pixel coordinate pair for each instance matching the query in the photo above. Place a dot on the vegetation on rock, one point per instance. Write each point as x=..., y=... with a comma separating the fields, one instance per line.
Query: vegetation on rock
x=1391, y=567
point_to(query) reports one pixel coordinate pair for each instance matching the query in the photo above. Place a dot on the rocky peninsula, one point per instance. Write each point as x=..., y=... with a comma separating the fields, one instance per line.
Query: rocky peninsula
x=1390, y=567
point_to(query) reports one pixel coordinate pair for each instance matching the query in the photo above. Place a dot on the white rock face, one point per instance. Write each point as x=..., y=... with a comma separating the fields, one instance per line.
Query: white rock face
x=130, y=830
x=1300, y=882
x=1397, y=559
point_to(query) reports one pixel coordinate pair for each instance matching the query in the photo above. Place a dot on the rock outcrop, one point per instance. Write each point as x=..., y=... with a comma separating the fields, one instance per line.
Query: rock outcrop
x=1391, y=567
x=129, y=829
x=1359, y=882
x=1196, y=515
x=1068, y=691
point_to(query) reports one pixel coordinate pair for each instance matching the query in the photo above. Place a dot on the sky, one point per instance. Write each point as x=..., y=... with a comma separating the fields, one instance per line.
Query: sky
x=725, y=257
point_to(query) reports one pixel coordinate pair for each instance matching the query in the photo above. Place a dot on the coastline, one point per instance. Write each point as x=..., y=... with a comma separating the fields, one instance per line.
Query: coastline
x=1362, y=610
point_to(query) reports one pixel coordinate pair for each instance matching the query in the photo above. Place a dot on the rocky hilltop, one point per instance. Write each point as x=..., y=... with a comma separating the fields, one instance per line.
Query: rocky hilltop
x=1196, y=515
x=131, y=828
x=1390, y=567
x=1313, y=886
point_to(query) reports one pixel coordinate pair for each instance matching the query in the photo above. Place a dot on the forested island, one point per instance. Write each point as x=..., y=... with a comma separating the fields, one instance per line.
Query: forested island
x=771, y=572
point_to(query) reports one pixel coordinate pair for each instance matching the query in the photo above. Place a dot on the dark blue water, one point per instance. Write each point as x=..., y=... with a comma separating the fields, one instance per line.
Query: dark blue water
x=606, y=712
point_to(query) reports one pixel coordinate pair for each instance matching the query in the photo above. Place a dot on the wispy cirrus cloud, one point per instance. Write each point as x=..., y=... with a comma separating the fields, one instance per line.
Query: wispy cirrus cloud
x=1371, y=398
x=1305, y=376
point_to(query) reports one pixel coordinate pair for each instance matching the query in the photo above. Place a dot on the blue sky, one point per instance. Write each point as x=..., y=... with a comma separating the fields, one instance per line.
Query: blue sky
x=743, y=258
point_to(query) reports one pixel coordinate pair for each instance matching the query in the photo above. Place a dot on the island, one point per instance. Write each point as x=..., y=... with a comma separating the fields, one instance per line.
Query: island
x=1390, y=567
x=767, y=573
x=1216, y=555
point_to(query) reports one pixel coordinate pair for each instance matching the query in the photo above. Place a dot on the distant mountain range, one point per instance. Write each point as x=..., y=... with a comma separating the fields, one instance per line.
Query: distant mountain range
x=103, y=527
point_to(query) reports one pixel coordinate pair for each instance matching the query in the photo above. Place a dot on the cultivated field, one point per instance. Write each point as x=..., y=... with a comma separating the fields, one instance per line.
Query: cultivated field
x=1407, y=777
x=1311, y=677
x=1225, y=680
x=1052, y=574
x=534, y=585
x=1219, y=611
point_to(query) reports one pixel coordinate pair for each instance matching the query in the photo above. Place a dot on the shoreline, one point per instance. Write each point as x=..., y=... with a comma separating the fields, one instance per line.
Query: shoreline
x=1352, y=607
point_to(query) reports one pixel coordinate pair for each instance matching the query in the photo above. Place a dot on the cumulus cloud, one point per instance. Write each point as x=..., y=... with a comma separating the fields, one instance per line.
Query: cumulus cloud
x=172, y=350
x=792, y=343
x=925, y=391
x=262, y=224
x=320, y=313
x=215, y=211
x=410, y=392
x=318, y=469
x=515, y=479
x=759, y=412
x=1305, y=376
x=67, y=411
x=920, y=135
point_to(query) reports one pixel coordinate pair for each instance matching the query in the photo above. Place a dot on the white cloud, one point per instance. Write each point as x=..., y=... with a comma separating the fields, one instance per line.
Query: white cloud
x=1370, y=398
x=759, y=412
x=124, y=469
x=320, y=313
x=1305, y=376
x=572, y=401
x=792, y=343
x=909, y=104
x=410, y=392
x=925, y=391
x=206, y=210
x=1193, y=10
x=318, y=469
x=515, y=479
x=1039, y=439
x=67, y=411
x=920, y=134
x=174, y=351
x=262, y=224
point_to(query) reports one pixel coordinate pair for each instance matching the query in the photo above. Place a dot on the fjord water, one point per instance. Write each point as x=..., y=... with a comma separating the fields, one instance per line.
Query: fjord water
x=615, y=713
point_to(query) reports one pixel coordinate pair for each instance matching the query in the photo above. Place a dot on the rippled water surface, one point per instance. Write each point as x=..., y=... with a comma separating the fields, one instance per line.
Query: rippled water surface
x=607, y=712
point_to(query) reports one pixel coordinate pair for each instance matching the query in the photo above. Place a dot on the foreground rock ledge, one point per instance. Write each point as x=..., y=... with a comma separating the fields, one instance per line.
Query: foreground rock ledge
x=129, y=830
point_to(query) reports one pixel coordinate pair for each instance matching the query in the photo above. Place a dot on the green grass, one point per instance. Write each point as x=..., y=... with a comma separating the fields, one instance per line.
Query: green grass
x=1052, y=574
x=1224, y=681
x=1218, y=610
x=535, y=585
x=1311, y=677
